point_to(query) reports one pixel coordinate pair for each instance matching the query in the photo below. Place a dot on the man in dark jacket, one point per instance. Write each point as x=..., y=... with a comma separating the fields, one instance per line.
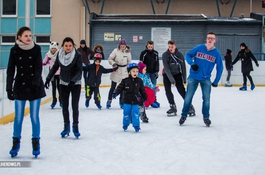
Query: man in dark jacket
x=174, y=73
x=151, y=59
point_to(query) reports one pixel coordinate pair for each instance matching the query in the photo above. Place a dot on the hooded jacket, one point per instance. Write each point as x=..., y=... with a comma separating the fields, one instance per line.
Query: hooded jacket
x=151, y=60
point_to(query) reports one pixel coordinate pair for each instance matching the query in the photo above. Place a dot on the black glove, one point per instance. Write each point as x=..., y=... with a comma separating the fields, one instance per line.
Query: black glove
x=257, y=64
x=114, y=65
x=33, y=89
x=10, y=95
x=70, y=85
x=47, y=84
x=156, y=75
x=195, y=67
x=214, y=85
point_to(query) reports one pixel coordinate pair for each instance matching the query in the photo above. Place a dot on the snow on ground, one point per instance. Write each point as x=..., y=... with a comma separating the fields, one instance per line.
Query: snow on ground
x=234, y=144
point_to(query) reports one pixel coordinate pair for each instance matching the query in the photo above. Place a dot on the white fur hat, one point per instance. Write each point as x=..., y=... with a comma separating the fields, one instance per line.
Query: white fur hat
x=54, y=44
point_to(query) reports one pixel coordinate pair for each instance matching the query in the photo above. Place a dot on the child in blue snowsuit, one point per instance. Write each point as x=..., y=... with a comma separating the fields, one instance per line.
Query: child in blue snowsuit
x=133, y=91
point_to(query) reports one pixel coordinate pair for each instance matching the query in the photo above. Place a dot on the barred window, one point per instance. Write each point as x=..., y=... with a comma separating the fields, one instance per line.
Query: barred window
x=9, y=7
x=43, y=7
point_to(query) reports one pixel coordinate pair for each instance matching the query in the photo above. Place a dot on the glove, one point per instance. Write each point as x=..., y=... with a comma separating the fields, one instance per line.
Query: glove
x=114, y=65
x=83, y=64
x=257, y=64
x=70, y=85
x=195, y=67
x=47, y=84
x=232, y=68
x=156, y=75
x=157, y=89
x=114, y=69
x=33, y=89
x=114, y=95
x=10, y=95
x=214, y=85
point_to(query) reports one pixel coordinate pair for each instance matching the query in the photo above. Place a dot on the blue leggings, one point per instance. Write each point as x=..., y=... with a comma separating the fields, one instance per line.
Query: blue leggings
x=34, y=116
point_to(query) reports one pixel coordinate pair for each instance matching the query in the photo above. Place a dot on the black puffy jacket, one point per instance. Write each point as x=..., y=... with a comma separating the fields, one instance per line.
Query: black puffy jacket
x=246, y=64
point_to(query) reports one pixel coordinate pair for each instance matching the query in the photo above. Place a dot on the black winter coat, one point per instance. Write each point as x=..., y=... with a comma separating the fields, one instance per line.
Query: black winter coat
x=28, y=67
x=246, y=63
x=228, y=62
x=173, y=65
x=151, y=60
x=133, y=90
x=93, y=79
x=69, y=73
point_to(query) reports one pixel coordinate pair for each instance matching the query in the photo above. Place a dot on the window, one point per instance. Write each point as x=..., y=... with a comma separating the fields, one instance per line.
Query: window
x=8, y=39
x=43, y=40
x=9, y=7
x=43, y=7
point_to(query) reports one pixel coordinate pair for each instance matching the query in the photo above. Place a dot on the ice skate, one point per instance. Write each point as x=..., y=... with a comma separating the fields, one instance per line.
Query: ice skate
x=53, y=103
x=15, y=148
x=99, y=107
x=87, y=103
x=155, y=105
x=143, y=116
x=35, y=147
x=125, y=128
x=252, y=86
x=137, y=128
x=182, y=120
x=76, y=131
x=207, y=122
x=243, y=88
x=108, y=105
x=172, y=111
x=228, y=84
x=66, y=130
x=191, y=111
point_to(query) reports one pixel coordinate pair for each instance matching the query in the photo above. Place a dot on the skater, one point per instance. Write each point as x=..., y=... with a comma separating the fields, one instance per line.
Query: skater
x=133, y=91
x=50, y=58
x=25, y=64
x=93, y=81
x=174, y=73
x=86, y=52
x=70, y=62
x=202, y=60
x=246, y=65
x=228, y=66
x=121, y=57
x=149, y=90
x=151, y=59
x=98, y=49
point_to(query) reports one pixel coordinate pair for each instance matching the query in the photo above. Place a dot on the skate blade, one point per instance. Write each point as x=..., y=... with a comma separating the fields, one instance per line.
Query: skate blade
x=171, y=115
x=13, y=155
x=66, y=135
x=191, y=115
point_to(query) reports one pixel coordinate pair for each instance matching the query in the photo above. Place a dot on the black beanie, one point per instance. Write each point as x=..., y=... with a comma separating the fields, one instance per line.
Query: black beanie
x=243, y=44
x=83, y=42
x=228, y=51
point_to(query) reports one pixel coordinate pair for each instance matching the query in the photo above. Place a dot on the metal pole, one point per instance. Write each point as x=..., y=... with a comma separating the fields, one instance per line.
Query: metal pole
x=218, y=9
x=87, y=6
x=233, y=9
x=27, y=13
x=152, y=6
x=102, y=7
x=168, y=6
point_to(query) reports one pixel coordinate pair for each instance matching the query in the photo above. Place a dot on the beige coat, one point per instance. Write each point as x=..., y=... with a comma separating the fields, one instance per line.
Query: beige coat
x=121, y=59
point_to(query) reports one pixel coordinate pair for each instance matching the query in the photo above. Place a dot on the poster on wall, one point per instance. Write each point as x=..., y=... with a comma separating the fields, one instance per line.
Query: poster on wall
x=160, y=36
x=117, y=37
x=135, y=39
x=108, y=36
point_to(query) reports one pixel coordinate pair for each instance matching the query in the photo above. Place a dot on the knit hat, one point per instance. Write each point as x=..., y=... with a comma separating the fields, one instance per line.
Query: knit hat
x=141, y=67
x=243, y=44
x=228, y=51
x=83, y=42
x=54, y=44
x=122, y=42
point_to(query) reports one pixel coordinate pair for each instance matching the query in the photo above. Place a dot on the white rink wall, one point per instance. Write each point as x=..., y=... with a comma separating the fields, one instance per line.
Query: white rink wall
x=258, y=75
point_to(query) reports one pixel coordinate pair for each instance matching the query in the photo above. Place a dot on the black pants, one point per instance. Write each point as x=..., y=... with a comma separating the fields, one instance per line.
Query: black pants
x=56, y=85
x=179, y=85
x=89, y=91
x=245, y=76
x=112, y=88
x=65, y=94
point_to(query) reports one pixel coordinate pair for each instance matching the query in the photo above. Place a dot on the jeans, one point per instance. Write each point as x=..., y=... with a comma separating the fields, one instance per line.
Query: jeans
x=34, y=116
x=206, y=92
x=131, y=113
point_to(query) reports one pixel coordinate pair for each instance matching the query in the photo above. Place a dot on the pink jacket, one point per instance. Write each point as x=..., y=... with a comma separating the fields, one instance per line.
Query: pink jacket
x=47, y=60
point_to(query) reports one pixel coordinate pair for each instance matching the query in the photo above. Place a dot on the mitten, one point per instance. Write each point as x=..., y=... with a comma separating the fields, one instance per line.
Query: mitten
x=33, y=89
x=214, y=85
x=47, y=84
x=10, y=95
x=157, y=89
x=156, y=75
x=195, y=67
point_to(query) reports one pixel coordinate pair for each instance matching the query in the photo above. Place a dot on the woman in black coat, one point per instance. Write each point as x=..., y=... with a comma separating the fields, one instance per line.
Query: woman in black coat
x=70, y=62
x=25, y=63
x=246, y=65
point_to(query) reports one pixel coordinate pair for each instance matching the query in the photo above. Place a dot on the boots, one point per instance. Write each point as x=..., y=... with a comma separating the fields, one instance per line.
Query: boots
x=108, y=105
x=76, y=131
x=244, y=88
x=54, y=101
x=35, y=147
x=66, y=130
x=172, y=111
x=15, y=148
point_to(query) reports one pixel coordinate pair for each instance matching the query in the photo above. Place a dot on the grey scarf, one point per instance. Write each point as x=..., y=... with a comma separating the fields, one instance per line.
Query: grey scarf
x=24, y=46
x=66, y=59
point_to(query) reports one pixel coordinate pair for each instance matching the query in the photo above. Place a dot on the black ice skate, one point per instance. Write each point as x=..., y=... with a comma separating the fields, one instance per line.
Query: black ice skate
x=192, y=111
x=182, y=120
x=35, y=147
x=207, y=122
x=143, y=116
x=172, y=111
x=15, y=148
